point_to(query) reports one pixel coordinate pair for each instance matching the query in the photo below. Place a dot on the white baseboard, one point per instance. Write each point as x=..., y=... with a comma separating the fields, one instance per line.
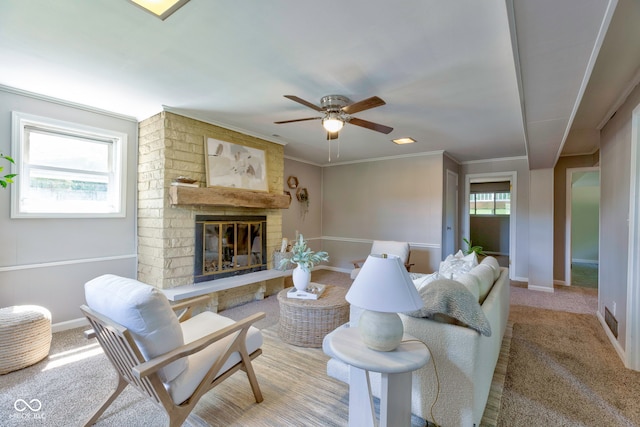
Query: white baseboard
x=339, y=270
x=612, y=338
x=69, y=324
x=521, y=279
x=540, y=288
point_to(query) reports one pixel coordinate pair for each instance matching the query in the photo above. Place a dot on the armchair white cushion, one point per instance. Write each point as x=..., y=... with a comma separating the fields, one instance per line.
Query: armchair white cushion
x=389, y=247
x=145, y=311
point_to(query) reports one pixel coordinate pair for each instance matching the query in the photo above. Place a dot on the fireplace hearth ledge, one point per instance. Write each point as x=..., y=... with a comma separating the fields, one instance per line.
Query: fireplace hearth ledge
x=180, y=293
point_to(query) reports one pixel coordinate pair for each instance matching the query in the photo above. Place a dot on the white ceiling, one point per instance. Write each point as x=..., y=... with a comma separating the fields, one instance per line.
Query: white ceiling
x=448, y=71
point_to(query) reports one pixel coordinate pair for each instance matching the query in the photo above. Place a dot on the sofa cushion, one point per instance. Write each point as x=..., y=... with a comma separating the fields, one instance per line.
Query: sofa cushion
x=144, y=311
x=491, y=261
x=444, y=297
x=484, y=273
x=472, y=283
x=457, y=264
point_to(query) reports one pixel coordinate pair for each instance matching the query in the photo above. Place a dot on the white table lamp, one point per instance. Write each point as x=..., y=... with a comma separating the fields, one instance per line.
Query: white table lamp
x=383, y=288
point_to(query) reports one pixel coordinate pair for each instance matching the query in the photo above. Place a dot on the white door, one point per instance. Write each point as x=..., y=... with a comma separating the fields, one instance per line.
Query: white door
x=450, y=232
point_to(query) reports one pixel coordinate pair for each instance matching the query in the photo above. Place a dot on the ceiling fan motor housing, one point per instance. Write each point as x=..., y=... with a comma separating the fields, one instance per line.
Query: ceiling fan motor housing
x=334, y=102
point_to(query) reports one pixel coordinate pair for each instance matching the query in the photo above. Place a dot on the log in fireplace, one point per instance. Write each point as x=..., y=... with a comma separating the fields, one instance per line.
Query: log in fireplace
x=229, y=246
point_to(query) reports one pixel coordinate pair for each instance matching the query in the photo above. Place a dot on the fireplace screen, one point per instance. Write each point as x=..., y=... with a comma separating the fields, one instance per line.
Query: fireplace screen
x=228, y=246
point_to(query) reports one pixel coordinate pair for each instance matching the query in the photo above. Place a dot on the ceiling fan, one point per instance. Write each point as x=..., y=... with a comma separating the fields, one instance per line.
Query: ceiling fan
x=337, y=111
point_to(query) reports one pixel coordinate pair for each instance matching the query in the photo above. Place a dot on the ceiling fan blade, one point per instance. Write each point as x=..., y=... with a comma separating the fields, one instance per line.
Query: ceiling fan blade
x=297, y=120
x=370, y=125
x=365, y=104
x=303, y=102
x=332, y=136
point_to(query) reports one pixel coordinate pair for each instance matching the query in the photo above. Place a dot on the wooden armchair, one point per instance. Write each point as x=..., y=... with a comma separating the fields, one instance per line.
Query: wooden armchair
x=174, y=360
x=390, y=247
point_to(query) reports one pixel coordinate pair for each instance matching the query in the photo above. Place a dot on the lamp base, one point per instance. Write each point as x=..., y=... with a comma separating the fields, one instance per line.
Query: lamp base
x=380, y=331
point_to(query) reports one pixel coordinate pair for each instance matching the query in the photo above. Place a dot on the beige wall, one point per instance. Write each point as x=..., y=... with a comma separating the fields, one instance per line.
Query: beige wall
x=302, y=217
x=615, y=179
x=392, y=199
x=47, y=261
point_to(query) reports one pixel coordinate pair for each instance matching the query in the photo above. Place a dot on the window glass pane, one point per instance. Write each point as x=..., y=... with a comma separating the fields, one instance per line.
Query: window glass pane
x=484, y=203
x=61, y=151
x=503, y=203
x=67, y=170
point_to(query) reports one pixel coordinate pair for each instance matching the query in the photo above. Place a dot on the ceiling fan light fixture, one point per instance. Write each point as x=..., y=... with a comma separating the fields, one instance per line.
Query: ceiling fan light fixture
x=405, y=140
x=332, y=122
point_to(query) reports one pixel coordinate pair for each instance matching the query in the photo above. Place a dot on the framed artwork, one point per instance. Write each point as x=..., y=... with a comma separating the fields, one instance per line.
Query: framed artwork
x=235, y=166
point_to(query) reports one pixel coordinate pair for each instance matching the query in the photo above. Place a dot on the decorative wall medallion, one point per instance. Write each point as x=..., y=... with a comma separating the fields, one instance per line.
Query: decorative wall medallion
x=292, y=182
x=302, y=195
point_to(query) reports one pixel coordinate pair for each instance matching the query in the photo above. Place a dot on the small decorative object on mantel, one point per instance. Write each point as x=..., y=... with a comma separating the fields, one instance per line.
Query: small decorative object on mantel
x=313, y=291
x=305, y=259
x=184, y=181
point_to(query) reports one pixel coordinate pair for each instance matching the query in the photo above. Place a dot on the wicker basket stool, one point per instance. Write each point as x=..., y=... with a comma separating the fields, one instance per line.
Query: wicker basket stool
x=305, y=322
x=25, y=336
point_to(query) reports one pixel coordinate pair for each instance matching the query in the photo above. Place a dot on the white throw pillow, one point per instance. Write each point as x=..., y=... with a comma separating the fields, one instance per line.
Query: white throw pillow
x=491, y=261
x=484, y=273
x=424, y=279
x=470, y=282
x=458, y=264
x=144, y=311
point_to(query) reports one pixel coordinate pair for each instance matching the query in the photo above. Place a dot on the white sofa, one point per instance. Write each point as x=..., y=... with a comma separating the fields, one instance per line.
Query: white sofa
x=465, y=359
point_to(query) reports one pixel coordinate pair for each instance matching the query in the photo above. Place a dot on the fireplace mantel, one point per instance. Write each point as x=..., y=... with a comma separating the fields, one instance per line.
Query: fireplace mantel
x=218, y=196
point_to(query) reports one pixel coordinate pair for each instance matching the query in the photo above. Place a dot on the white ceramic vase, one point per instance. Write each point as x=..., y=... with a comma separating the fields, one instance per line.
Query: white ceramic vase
x=301, y=278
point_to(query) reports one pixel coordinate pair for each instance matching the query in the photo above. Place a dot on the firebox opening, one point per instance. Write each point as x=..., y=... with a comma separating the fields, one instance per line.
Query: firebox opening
x=229, y=246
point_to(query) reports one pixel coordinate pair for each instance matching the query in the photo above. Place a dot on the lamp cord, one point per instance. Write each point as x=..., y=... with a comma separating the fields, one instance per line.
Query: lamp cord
x=435, y=370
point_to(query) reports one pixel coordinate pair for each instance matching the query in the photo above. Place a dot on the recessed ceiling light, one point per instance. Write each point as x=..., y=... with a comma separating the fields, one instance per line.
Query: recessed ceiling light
x=160, y=8
x=406, y=140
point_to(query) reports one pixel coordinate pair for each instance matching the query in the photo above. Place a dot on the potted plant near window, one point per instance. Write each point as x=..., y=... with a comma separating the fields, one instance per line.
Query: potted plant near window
x=305, y=259
x=8, y=178
x=471, y=248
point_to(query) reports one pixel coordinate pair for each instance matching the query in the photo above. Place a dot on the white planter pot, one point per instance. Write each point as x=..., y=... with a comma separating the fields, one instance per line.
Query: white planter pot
x=301, y=278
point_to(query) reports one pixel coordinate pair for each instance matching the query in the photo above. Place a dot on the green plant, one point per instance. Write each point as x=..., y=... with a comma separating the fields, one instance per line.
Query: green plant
x=8, y=178
x=470, y=248
x=303, y=256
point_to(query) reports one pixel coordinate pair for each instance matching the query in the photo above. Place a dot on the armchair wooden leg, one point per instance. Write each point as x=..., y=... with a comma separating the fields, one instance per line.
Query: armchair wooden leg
x=251, y=375
x=122, y=384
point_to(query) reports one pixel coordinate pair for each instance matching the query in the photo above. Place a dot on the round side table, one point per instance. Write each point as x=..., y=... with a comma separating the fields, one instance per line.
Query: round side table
x=305, y=323
x=395, y=368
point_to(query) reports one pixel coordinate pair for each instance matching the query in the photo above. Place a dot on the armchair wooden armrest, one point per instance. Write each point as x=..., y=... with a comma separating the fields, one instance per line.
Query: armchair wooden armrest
x=188, y=306
x=357, y=263
x=153, y=365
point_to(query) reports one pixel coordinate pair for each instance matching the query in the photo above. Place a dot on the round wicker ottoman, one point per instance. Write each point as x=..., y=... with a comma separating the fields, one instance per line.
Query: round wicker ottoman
x=25, y=336
x=305, y=322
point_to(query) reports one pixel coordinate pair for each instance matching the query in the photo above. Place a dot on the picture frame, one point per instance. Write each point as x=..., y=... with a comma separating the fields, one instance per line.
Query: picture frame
x=235, y=166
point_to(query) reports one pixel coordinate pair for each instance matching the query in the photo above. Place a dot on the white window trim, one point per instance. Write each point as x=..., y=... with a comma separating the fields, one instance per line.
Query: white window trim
x=20, y=120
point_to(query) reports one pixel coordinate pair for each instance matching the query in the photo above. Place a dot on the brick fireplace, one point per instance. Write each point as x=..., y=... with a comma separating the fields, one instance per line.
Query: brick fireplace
x=171, y=145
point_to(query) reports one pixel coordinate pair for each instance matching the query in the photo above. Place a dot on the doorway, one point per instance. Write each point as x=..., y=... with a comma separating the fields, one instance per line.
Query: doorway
x=582, y=227
x=499, y=209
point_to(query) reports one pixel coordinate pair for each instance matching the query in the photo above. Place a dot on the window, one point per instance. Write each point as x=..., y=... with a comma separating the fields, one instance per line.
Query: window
x=495, y=203
x=67, y=170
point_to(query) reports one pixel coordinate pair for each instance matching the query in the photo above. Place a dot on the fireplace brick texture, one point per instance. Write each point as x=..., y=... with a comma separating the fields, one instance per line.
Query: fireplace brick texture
x=171, y=145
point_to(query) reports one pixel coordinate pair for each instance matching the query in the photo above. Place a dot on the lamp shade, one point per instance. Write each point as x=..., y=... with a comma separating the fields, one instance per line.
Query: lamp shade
x=383, y=284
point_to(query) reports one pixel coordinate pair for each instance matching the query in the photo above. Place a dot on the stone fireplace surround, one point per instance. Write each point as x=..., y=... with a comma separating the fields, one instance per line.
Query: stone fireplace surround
x=171, y=145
